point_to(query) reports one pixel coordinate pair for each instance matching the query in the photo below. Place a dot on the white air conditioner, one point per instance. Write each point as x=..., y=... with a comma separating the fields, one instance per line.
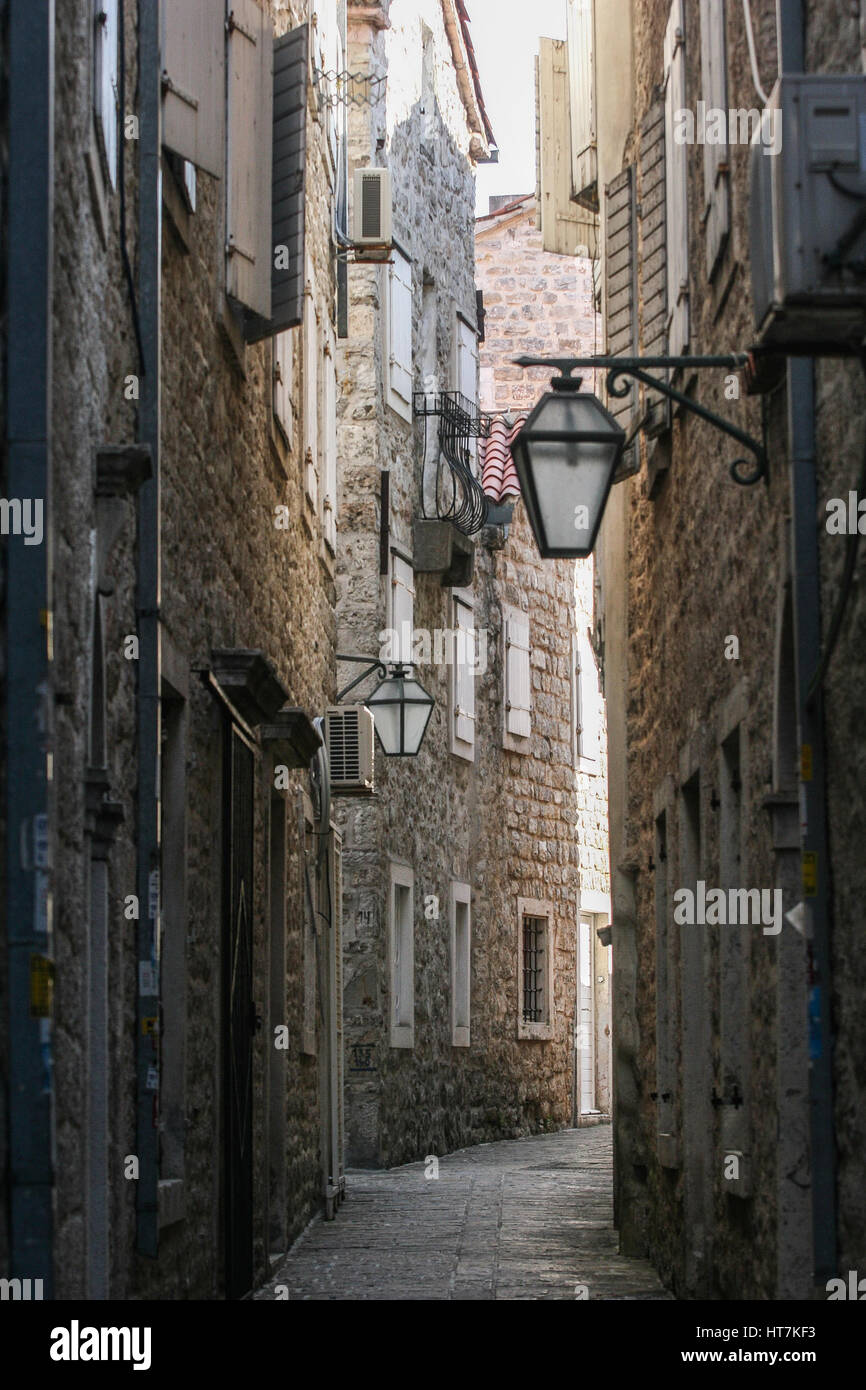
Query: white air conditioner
x=808, y=215
x=371, y=213
x=349, y=737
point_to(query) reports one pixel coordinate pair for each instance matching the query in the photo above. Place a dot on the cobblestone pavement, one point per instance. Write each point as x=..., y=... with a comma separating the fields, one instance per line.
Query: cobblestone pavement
x=523, y=1219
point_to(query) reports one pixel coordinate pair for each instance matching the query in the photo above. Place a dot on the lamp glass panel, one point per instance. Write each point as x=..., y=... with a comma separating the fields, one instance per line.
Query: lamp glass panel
x=570, y=484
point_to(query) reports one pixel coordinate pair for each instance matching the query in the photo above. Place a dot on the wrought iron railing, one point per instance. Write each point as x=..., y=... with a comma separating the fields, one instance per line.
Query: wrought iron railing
x=458, y=494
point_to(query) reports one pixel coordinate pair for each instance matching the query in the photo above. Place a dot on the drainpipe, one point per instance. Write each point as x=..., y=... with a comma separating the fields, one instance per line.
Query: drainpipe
x=29, y=721
x=790, y=26
x=148, y=600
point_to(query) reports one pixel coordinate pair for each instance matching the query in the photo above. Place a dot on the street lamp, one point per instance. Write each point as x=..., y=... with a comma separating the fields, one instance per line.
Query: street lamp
x=566, y=456
x=401, y=711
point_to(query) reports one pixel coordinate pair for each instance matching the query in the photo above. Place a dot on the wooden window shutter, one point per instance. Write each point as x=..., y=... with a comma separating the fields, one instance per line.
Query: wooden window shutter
x=652, y=260
x=402, y=606
x=581, y=71
x=677, y=169
x=250, y=119
x=283, y=359
x=620, y=251
x=464, y=674
x=566, y=228
x=329, y=433
x=106, y=84
x=287, y=249
x=193, y=82
x=589, y=701
x=716, y=218
x=311, y=394
x=400, y=328
x=467, y=360
x=517, y=675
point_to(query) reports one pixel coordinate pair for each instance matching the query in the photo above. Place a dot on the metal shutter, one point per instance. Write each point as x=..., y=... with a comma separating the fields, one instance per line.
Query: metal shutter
x=676, y=171
x=248, y=198
x=193, y=82
x=717, y=211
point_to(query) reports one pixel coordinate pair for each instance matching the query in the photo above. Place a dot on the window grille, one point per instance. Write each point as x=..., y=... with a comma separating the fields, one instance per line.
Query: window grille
x=533, y=969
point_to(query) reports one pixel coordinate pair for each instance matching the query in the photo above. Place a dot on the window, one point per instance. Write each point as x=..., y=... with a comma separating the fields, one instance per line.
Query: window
x=249, y=55
x=329, y=440
x=463, y=678
x=461, y=963
x=284, y=360
x=401, y=952
x=676, y=166
x=311, y=393
x=105, y=93
x=398, y=334
x=401, y=606
x=588, y=707
x=518, y=723
x=535, y=1008
x=717, y=212
x=466, y=359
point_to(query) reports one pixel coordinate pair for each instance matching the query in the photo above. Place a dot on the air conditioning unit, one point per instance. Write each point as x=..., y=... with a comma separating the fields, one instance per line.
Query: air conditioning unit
x=808, y=216
x=371, y=214
x=349, y=736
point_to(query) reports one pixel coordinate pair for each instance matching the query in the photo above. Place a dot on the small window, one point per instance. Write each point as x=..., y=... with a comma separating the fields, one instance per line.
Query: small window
x=463, y=678
x=517, y=676
x=401, y=950
x=535, y=1007
x=105, y=84
x=461, y=963
x=398, y=324
x=401, y=607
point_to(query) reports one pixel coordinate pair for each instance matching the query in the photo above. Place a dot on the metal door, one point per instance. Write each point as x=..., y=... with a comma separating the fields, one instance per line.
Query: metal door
x=238, y=1013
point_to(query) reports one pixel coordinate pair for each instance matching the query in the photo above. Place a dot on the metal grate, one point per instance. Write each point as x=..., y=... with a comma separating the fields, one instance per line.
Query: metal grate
x=533, y=969
x=348, y=88
x=461, y=413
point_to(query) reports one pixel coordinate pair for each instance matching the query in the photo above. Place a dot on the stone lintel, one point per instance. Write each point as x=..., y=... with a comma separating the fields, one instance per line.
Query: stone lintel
x=293, y=735
x=250, y=683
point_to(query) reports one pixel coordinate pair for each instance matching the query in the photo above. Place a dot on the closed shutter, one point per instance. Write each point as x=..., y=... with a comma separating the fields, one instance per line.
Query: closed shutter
x=517, y=676
x=400, y=331
x=653, y=251
x=193, y=82
x=589, y=702
x=467, y=361
x=677, y=169
x=106, y=83
x=566, y=228
x=311, y=393
x=581, y=72
x=284, y=351
x=717, y=211
x=329, y=439
x=464, y=673
x=250, y=121
x=620, y=251
x=402, y=606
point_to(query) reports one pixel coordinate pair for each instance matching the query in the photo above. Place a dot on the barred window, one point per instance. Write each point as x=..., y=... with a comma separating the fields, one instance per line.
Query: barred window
x=533, y=969
x=536, y=1014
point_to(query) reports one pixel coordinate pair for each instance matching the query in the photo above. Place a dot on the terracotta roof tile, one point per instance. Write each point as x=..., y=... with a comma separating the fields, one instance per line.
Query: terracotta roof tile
x=498, y=473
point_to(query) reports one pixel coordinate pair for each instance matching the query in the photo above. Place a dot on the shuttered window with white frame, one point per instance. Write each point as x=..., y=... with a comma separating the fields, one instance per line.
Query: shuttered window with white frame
x=518, y=701
x=249, y=56
x=463, y=677
x=105, y=86
x=311, y=393
x=581, y=71
x=283, y=358
x=193, y=82
x=716, y=218
x=588, y=706
x=401, y=608
x=676, y=170
x=398, y=381
x=329, y=439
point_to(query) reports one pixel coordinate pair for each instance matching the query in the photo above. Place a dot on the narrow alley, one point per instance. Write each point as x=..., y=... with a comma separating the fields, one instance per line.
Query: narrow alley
x=522, y=1219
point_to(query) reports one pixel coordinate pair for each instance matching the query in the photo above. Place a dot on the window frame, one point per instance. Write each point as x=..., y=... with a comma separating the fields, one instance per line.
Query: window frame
x=513, y=741
x=401, y=933
x=461, y=965
x=544, y=1030
x=461, y=746
x=393, y=397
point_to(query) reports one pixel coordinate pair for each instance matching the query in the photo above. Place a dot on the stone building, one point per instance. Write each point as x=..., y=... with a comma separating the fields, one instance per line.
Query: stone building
x=172, y=1114
x=730, y=624
x=541, y=302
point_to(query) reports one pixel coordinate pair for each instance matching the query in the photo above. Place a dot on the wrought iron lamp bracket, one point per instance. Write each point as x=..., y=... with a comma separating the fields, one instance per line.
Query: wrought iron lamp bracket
x=619, y=368
x=372, y=664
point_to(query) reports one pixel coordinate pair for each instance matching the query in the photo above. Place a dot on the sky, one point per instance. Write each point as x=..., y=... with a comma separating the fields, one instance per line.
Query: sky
x=505, y=34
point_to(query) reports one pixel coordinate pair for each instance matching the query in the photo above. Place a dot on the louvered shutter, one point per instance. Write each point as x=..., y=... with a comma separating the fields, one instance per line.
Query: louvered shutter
x=283, y=350
x=717, y=215
x=250, y=124
x=311, y=394
x=400, y=329
x=620, y=242
x=193, y=82
x=329, y=431
x=464, y=673
x=581, y=71
x=402, y=606
x=676, y=164
x=286, y=251
x=517, y=674
x=107, y=81
x=653, y=248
